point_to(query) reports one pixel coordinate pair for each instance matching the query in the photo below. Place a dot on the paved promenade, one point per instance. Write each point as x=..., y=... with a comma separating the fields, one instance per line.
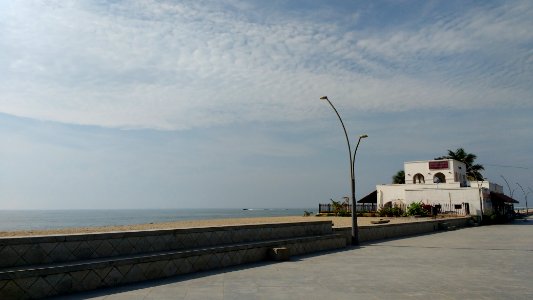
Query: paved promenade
x=489, y=262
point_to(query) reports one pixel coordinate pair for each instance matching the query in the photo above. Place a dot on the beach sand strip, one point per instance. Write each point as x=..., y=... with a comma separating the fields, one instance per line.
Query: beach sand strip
x=338, y=222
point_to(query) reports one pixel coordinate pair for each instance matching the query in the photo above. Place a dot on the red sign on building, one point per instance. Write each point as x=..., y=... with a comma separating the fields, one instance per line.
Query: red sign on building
x=438, y=165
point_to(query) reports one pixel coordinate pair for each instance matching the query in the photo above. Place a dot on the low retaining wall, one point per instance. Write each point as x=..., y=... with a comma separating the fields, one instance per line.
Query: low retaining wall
x=24, y=251
x=386, y=231
x=37, y=267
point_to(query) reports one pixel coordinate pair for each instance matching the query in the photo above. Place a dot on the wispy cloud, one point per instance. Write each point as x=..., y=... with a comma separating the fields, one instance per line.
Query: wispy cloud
x=186, y=64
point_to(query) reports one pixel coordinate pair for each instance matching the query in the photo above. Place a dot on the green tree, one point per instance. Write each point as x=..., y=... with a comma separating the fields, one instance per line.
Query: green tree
x=473, y=170
x=399, y=177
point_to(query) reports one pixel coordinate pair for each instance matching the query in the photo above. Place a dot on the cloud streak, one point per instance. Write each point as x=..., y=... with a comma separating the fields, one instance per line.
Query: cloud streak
x=188, y=64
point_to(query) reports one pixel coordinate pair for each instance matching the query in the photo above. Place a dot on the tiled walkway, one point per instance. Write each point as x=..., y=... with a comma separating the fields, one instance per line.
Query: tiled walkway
x=489, y=262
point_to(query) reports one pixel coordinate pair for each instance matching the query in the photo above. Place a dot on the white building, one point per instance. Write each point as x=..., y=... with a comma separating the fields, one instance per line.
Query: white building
x=443, y=183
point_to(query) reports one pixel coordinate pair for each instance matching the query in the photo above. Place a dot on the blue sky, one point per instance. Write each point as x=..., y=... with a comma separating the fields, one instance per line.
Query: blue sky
x=181, y=104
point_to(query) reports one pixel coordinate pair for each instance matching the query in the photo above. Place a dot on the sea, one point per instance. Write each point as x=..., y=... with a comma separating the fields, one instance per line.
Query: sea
x=13, y=220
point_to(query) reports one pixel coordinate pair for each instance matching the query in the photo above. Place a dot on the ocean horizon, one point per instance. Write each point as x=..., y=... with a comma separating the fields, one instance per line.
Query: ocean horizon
x=15, y=220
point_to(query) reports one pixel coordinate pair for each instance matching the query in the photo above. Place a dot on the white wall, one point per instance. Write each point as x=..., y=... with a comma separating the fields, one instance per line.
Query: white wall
x=431, y=194
x=422, y=167
x=447, y=196
x=416, y=167
x=390, y=192
x=493, y=187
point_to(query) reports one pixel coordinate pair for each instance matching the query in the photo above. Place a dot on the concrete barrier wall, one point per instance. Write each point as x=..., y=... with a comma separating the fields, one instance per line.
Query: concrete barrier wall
x=23, y=251
x=386, y=231
x=56, y=280
x=59, y=269
x=234, y=245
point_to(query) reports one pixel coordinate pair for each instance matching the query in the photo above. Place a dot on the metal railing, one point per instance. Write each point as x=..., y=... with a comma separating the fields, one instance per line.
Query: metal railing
x=360, y=207
x=450, y=208
x=461, y=209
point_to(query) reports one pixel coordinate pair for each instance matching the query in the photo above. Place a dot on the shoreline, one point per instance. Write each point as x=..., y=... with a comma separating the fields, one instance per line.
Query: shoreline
x=338, y=222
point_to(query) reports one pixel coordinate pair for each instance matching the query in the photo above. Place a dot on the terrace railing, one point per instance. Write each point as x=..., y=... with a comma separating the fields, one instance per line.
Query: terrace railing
x=360, y=207
x=450, y=208
x=444, y=208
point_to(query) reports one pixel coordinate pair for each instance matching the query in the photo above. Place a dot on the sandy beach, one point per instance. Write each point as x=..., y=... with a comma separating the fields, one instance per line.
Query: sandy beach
x=337, y=222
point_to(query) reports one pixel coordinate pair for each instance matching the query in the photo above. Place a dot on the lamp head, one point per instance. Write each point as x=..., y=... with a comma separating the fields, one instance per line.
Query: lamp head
x=324, y=98
x=363, y=136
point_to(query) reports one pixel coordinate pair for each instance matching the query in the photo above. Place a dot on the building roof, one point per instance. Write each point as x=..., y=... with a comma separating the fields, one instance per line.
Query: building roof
x=428, y=160
x=370, y=198
x=502, y=198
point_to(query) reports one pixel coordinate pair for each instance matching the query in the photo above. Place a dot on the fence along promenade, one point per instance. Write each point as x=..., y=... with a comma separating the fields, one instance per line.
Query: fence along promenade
x=445, y=208
x=363, y=207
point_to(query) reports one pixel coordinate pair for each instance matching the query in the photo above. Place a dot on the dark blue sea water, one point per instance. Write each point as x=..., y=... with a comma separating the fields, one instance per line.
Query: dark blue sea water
x=11, y=220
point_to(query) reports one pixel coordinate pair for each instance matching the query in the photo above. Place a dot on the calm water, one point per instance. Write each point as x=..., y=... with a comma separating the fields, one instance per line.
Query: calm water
x=53, y=219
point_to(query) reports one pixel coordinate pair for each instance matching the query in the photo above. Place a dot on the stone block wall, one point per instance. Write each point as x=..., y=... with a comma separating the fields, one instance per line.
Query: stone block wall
x=58, y=268
x=24, y=251
x=369, y=233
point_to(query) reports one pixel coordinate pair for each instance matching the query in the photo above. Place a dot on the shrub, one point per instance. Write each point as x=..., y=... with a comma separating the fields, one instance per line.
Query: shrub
x=340, y=209
x=427, y=207
x=388, y=211
x=396, y=211
x=417, y=209
x=384, y=211
x=343, y=213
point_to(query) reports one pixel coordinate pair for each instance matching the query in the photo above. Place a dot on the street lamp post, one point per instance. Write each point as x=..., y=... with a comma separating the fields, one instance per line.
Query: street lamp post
x=480, y=194
x=511, y=191
x=355, y=233
x=530, y=190
x=480, y=201
x=525, y=196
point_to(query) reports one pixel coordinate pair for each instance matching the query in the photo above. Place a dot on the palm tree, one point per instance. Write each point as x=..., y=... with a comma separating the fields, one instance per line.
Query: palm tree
x=472, y=170
x=399, y=177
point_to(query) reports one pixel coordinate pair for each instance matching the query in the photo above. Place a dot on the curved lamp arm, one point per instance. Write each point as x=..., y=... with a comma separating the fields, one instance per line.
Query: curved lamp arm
x=523, y=191
x=355, y=152
x=345, y=134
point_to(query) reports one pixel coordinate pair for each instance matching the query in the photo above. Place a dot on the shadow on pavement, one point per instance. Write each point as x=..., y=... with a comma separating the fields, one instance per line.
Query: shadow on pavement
x=180, y=278
x=522, y=222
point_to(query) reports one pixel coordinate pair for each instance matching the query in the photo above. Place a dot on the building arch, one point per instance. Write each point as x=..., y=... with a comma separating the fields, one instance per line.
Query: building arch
x=439, y=178
x=418, y=178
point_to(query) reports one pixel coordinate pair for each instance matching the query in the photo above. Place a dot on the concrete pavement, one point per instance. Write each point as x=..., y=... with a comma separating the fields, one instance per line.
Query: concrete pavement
x=488, y=262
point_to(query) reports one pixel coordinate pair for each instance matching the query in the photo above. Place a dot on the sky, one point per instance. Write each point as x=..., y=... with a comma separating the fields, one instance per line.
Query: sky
x=215, y=104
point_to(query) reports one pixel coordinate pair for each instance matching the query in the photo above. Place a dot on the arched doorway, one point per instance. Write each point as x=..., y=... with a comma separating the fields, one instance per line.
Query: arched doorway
x=439, y=178
x=418, y=178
